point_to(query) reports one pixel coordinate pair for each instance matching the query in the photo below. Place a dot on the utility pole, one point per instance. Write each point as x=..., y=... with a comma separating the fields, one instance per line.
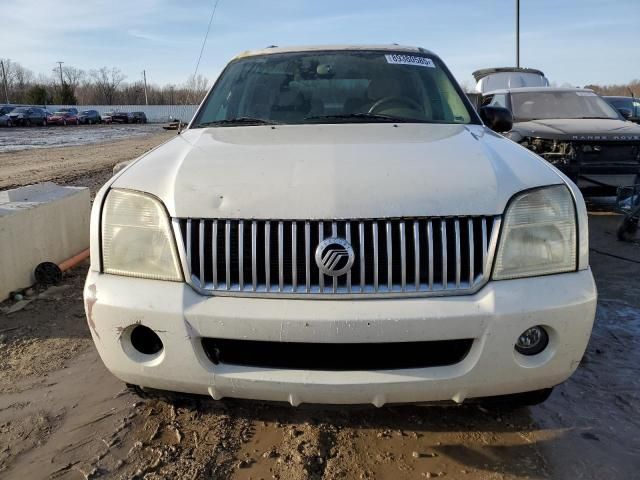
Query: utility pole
x=518, y=33
x=4, y=76
x=60, y=65
x=144, y=76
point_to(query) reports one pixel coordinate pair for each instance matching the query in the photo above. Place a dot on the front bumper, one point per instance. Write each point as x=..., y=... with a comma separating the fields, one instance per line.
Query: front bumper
x=494, y=317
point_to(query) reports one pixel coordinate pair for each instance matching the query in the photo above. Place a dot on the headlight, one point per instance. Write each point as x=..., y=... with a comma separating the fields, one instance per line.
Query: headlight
x=538, y=235
x=136, y=237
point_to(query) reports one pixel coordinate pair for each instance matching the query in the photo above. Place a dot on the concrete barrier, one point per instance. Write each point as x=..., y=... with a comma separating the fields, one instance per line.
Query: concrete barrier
x=38, y=223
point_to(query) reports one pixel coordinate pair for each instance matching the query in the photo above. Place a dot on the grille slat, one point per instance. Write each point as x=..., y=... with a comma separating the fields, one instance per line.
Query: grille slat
x=254, y=255
x=227, y=253
x=444, y=255
x=416, y=255
x=471, y=253
x=214, y=250
x=458, y=259
x=307, y=255
x=375, y=256
x=280, y=256
x=267, y=254
x=484, y=246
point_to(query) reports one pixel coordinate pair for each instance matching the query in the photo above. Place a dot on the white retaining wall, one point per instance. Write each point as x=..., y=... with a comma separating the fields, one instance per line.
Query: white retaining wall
x=40, y=223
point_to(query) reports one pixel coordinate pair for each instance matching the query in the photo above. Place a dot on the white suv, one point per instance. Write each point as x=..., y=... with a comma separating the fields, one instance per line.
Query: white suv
x=337, y=225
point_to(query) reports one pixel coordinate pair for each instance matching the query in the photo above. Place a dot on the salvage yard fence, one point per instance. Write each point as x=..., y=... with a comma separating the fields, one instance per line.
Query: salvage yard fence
x=154, y=113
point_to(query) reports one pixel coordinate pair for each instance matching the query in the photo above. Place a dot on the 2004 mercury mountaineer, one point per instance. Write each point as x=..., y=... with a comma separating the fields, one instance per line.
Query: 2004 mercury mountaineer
x=337, y=225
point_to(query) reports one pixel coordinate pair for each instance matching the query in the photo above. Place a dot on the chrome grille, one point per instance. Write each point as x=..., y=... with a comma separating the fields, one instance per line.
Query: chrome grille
x=440, y=256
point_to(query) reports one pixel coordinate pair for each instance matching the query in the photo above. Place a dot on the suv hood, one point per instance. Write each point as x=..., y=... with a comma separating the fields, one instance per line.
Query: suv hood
x=337, y=171
x=579, y=129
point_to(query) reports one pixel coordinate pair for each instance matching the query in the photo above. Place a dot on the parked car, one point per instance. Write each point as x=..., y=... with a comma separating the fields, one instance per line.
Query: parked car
x=63, y=118
x=89, y=117
x=341, y=227
x=107, y=117
x=121, y=117
x=71, y=110
x=5, y=121
x=4, y=109
x=629, y=107
x=138, y=117
x=576, y=131
x=27, y=116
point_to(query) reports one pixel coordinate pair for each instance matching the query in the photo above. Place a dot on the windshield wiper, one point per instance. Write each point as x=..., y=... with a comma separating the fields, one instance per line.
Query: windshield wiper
x=365, y=117
x=236, y=121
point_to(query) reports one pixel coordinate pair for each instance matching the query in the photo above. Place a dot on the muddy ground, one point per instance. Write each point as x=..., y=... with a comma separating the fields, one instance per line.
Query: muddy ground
x=63, y=416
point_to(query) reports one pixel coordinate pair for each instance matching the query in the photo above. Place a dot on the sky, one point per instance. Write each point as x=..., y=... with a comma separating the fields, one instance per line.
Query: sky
x=573, y=41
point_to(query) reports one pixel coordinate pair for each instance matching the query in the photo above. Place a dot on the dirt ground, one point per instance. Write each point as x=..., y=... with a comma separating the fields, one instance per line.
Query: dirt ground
x=63, y=416
x=78, y=162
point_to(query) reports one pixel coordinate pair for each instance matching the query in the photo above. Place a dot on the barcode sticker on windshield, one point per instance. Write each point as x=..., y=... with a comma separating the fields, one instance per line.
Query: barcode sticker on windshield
x=398, y=59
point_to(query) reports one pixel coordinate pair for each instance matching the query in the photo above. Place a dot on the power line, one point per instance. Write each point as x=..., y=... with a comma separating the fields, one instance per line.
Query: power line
x=213, y=12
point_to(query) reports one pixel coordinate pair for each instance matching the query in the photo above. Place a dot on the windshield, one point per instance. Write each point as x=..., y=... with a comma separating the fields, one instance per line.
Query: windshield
x=334, y=87
x=554, y=104
x=60, y=113
x=19, y=110
x=5, y=110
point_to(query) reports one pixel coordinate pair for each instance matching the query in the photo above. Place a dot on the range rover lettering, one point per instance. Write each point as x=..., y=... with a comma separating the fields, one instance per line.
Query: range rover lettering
x=338, y=225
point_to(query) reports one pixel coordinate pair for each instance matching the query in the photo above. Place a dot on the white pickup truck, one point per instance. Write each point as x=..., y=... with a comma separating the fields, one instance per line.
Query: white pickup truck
x=338, y=225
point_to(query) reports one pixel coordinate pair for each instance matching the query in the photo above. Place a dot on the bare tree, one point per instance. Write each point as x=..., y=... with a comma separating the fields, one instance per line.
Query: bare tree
x=106, y=82
x=630, y=89
x=19, y=80
x=196, y=88
x=73, y=76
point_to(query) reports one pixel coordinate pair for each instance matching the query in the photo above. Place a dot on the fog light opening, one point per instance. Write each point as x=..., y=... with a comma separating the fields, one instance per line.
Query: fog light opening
x=145, y=340
x=532, y=341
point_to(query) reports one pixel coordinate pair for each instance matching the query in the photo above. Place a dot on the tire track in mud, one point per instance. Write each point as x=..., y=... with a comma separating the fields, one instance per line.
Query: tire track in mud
x=184, y=438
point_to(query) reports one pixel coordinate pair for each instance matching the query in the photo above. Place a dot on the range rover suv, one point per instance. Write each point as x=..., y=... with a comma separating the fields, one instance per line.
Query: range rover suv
x=338, y=225
x=578, y=132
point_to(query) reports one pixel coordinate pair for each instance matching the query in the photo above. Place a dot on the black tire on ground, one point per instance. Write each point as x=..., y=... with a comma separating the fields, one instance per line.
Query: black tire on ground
x=627, y=230
x=9, y=124
x=27, y=123
x=44, y=122
x=516, y=400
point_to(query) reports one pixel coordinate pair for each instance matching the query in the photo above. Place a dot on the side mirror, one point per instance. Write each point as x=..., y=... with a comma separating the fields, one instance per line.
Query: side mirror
x=626, y=113
x=498, y=119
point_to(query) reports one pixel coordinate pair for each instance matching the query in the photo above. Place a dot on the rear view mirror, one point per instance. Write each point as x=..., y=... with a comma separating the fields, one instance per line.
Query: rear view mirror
x=498, y=119
x=626, y=113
